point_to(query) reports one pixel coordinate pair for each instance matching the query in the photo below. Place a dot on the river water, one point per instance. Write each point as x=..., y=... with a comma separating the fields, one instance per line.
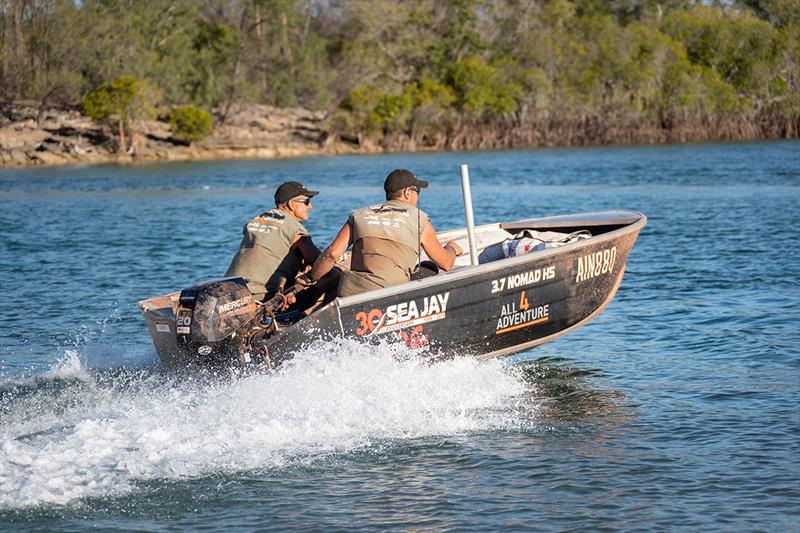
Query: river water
x=675, y=409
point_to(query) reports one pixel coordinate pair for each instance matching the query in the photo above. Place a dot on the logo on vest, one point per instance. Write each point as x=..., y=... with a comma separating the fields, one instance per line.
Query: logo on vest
x=381, y=209
x=266, y=222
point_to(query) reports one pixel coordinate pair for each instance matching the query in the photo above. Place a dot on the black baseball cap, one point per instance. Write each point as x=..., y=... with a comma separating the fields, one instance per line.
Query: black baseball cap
x=292, y=189
x=401, y=178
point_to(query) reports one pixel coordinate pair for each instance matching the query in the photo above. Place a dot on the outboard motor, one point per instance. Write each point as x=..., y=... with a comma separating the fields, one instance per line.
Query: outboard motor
x=210, y=317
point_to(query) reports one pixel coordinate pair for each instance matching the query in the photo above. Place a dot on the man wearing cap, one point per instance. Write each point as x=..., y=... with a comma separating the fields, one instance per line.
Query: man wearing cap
x=275, y=245
x=386, y=240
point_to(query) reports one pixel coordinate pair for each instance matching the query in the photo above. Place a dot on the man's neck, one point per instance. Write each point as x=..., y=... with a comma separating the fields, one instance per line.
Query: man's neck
x=290, y=213
x=400, y=200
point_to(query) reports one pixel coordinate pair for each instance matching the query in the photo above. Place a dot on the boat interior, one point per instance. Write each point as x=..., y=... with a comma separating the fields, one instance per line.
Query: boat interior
x=551, y=232
x=490, y=238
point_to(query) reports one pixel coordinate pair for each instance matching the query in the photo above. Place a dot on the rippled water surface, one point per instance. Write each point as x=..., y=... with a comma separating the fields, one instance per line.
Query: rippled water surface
x=677, y=408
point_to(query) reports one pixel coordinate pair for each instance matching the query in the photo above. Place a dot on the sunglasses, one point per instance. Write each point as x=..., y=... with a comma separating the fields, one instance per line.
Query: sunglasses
x=415, y=189
x=307, y=201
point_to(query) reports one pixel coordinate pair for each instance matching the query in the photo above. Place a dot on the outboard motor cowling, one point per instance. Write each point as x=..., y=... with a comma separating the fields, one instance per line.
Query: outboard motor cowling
x=210, y=315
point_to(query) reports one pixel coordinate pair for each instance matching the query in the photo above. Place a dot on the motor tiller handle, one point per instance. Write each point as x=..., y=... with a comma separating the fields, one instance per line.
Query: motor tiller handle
x=279, y=299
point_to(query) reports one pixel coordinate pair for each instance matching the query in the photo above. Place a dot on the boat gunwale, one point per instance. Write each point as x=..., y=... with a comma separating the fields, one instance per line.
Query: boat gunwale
x=469, y=271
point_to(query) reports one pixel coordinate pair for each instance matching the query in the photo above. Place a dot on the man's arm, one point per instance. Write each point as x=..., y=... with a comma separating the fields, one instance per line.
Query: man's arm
x=306, y=249
x=327, y=259
x=444, y=257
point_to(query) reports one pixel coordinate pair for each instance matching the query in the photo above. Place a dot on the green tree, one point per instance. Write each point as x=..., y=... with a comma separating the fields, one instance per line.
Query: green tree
x=215, y=47
x=739, y=47
x=780, y=13
x=383, y=43
x=458, y=27
x=286, y=57
x=432, y=108
x=359, y=114
x=482, y=90
x=120, y=103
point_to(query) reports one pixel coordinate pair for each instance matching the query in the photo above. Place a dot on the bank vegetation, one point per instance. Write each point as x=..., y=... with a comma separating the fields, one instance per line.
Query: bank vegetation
x=413, y=74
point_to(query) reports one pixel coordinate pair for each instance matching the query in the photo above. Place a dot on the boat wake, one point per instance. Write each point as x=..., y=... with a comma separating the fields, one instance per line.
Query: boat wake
x=75, y=433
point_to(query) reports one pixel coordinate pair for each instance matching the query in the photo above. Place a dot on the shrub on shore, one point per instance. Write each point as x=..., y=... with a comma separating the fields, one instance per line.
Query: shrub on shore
x=190, y=124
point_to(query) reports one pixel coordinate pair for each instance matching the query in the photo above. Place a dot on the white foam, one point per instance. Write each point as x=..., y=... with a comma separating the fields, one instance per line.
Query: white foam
x=69, y=366
x=335, y=397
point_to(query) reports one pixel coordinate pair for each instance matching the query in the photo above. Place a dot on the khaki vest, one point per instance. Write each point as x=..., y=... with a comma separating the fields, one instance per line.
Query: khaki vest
x=386, y=241
x=264, y=254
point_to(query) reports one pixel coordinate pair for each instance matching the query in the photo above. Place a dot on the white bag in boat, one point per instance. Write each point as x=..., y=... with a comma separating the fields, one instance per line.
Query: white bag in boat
x=528, y=241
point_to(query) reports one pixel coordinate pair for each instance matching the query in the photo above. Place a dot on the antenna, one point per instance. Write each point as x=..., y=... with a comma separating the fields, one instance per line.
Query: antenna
x=465, y=188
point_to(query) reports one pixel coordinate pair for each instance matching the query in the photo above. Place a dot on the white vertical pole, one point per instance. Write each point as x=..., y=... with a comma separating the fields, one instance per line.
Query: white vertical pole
x=473, y=249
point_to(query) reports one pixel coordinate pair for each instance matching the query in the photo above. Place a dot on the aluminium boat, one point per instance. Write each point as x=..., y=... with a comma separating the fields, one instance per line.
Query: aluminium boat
x=535, y=280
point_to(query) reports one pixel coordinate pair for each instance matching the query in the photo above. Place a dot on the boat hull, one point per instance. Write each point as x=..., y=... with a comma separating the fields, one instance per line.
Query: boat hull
x=490, y=310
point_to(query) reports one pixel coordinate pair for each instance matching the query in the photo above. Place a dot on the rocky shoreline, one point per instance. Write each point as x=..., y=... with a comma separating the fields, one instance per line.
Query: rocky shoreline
x=32, y=137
